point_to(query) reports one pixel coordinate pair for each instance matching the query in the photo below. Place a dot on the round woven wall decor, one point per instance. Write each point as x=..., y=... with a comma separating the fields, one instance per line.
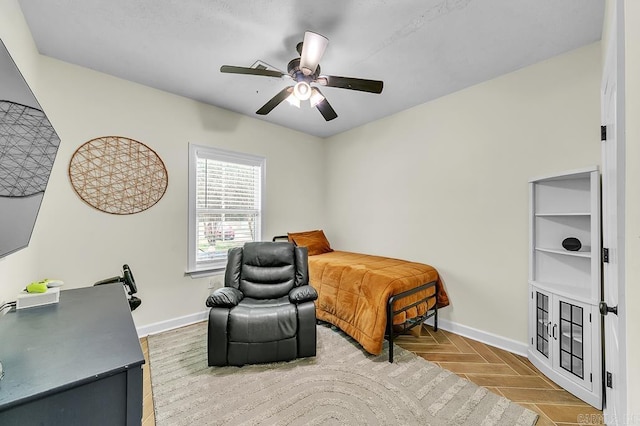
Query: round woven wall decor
x=118, y=175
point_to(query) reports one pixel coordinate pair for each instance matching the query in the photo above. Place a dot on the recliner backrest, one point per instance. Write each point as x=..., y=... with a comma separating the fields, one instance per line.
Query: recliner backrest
x=267, y=270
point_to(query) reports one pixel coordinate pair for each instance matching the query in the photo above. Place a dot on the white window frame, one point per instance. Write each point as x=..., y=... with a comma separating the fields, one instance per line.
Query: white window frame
x=199, y=151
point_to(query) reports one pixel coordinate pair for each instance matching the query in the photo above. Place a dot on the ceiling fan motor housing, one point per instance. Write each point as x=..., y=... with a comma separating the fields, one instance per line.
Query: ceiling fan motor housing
x=296, y=72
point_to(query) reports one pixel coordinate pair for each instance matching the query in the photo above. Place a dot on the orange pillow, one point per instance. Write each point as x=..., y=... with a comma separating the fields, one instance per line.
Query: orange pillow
x=315, y=241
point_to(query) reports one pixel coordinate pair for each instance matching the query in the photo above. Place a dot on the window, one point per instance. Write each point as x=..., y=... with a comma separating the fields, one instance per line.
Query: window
x=225, y=204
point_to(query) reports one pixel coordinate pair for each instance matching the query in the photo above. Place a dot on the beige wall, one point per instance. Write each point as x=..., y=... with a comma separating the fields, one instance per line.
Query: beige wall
x=632, y=195
x=81, y=245
x=446, y=182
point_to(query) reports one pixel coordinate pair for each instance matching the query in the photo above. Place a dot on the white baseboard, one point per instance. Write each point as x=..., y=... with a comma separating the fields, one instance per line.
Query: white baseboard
x=170, y=324
x=463, y=330
x=491, y=339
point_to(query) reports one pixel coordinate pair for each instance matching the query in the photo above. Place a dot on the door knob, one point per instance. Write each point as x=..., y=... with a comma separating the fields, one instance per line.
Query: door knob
x=604, y=309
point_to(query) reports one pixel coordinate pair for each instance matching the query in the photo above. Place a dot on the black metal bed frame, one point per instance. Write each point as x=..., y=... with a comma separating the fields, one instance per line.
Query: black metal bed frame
x=411, y=322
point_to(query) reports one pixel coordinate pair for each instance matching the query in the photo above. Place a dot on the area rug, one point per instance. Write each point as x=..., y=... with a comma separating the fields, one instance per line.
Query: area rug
x=342, y=385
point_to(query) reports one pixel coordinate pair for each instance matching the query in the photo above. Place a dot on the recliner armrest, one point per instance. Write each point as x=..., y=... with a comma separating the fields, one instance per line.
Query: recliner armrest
x=225, y=297
x=304, y=293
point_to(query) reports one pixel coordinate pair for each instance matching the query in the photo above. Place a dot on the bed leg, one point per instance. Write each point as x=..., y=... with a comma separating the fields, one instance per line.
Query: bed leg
x=390, y=330
x=435, y=319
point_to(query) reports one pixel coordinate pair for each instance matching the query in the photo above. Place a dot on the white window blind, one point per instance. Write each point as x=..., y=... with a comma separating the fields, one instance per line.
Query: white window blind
x=225, y=204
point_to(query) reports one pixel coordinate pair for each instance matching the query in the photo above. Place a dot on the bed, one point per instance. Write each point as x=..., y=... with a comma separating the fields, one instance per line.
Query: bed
x=370, y=297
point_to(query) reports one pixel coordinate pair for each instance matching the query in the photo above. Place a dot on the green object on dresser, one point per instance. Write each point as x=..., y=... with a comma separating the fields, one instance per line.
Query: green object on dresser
x=37, y=287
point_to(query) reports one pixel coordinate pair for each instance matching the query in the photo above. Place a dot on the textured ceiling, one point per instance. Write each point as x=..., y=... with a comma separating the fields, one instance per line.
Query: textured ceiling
x=421, y=49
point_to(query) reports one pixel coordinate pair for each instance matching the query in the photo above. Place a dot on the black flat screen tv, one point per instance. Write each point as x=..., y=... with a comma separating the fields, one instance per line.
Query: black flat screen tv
x=28, y=147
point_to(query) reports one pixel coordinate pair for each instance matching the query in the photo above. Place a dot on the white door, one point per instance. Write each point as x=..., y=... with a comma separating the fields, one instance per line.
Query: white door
x=612, y=224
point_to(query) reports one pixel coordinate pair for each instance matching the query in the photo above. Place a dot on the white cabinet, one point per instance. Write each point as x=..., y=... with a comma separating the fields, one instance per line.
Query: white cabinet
x=564, y=284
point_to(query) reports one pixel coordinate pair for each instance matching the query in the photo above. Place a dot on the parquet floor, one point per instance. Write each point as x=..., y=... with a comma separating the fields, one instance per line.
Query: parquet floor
x=512, y=376
x=502, y=372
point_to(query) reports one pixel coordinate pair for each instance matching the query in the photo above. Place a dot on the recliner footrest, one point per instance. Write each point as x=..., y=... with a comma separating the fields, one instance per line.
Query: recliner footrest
x=241, y=353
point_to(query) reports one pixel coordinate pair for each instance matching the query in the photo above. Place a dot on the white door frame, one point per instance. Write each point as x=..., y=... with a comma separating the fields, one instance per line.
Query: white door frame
x=613, y=218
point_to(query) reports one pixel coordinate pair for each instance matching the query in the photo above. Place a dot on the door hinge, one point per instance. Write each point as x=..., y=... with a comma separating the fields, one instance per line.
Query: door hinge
x=589, y=317
x=591, y=377
x=605, y=255
x=603, y=133
x=609, y=380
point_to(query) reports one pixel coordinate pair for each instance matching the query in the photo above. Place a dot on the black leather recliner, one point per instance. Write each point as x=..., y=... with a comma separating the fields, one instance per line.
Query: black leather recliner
x=265, y=312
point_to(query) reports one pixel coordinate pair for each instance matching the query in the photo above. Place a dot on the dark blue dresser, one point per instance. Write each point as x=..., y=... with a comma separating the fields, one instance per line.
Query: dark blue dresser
x=77, y=362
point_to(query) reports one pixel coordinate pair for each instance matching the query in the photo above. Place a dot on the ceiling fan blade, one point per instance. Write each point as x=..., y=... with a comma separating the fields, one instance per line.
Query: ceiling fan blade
x=371, y=86
x=313, y=48
x=251, y=71
x=325, y=107
x=275, y=101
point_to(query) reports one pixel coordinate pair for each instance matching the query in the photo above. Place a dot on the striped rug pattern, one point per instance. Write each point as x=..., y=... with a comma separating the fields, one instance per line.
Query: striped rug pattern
x=342, y=385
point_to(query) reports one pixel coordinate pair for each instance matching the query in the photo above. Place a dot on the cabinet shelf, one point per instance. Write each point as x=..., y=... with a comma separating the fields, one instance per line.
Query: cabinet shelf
x=585, y=254
x=561, y=214
x=574, y=339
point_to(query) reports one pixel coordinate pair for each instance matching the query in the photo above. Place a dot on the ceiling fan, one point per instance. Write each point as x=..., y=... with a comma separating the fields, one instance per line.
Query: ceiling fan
x=305, y=71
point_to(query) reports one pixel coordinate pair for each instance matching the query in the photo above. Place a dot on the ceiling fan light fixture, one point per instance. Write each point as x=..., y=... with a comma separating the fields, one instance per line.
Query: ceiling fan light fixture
x=316, y=97
x=313, y=48
x=293, y=100
x=302, y=90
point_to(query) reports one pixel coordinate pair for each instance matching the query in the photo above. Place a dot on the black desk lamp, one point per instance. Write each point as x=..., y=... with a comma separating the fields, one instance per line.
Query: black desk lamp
x=129, y=284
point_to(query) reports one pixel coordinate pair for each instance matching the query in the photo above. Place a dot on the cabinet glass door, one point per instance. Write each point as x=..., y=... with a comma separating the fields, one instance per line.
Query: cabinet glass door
x=571, y=338
x=542, y=323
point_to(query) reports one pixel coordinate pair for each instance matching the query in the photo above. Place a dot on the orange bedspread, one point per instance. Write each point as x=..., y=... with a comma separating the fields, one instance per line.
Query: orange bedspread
x=353, y=290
